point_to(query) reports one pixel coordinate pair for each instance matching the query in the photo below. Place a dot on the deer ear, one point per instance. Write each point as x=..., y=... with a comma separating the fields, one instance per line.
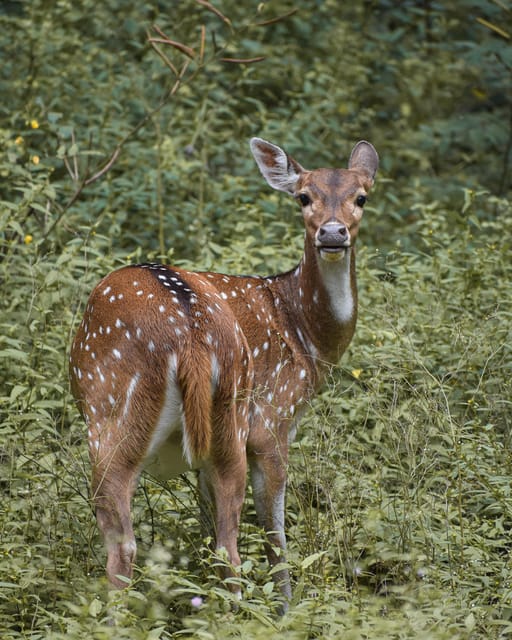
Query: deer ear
x=364, y=158
x=278, y=168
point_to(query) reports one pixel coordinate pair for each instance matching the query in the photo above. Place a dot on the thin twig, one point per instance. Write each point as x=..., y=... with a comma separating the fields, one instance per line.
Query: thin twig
x=265, y=23
x=75, y=161
x=164, y=39
x=202, y=43
x=177, y=45
x=68, y=168
x=162, y=55
x=243, y=60
x=104, y=169
x=209, y=6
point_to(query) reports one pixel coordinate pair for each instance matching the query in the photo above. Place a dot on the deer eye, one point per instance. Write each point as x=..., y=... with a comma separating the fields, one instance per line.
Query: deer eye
x=360, y=201
x=304, y=199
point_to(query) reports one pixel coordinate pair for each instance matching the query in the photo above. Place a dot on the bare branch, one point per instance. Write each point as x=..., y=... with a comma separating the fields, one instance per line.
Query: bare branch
x=494, y=27
x=104, y=169
x=209, y=6
x=162, y=55
x=177, y=45
x=264, y=23
x=188, y=51
x=243, y=60
x=75, y=161
x=69, y=169
x=202, y=43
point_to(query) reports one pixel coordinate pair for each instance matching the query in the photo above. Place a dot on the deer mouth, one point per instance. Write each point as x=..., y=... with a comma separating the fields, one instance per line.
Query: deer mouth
x=332, y=253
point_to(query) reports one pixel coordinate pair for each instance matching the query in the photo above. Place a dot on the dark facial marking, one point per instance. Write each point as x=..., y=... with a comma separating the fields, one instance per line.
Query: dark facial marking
x=331, y=195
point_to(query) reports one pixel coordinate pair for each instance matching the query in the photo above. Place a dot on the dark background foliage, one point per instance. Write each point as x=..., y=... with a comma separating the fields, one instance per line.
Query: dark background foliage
x=399, y=502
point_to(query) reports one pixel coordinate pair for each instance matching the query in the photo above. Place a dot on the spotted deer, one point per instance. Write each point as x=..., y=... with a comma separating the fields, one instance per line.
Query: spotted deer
x=176, y=370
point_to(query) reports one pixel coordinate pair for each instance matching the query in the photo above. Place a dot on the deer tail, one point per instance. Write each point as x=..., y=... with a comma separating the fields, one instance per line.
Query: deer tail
x=194, y=377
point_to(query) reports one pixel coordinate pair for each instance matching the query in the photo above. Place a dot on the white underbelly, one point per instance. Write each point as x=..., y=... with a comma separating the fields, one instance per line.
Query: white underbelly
x=166, y=456
x=168, y=461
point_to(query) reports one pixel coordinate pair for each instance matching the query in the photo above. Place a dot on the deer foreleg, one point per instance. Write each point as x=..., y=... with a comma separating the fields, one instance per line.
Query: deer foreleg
x=268, y=478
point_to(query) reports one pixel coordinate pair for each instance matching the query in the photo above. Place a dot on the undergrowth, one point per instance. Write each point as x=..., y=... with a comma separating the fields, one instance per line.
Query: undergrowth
x=399, y=502
x=399, y=505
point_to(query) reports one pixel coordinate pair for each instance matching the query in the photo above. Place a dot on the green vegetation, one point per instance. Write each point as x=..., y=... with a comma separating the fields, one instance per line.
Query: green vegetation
x=400, y=505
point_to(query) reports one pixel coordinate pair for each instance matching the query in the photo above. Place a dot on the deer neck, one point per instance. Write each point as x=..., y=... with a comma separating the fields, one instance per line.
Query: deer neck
x=324, y=298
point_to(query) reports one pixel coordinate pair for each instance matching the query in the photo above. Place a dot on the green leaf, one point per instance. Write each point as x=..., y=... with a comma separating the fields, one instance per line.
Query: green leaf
x=15, y=354
x=95, y=608
x=268, y=588
x=307, y=562
x=16, y=391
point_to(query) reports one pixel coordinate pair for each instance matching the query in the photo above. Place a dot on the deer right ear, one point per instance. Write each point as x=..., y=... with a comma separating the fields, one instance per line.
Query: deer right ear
x=364, y=158
x=278, y=168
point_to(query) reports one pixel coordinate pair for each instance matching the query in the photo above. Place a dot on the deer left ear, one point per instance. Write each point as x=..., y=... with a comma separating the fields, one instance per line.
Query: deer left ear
x=364, y=158
x=279, y=169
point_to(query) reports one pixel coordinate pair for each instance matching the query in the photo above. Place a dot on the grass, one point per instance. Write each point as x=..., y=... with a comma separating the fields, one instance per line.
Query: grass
x=399, y=502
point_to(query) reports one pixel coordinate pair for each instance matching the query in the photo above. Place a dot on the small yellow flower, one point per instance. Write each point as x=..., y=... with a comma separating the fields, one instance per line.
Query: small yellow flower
x=19, y=140
x=357, y=373
x=35, y=159
x=28, y=238
x=34, y=124
x=479, y=94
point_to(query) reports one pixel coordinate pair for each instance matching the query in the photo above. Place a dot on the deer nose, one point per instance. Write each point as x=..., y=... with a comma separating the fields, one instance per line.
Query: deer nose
x=332, y=234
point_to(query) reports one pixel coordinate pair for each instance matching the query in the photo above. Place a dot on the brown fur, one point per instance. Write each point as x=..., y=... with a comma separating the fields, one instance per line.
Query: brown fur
x=194, y=380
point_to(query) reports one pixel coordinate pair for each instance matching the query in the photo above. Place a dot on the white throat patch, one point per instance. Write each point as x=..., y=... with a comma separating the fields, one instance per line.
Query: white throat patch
x=336, y=279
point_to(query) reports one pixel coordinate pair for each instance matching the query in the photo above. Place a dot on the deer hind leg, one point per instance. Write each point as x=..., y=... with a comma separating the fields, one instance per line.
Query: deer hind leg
x=206, y=502
x=226, y=486
x=223, y=483
x=268, y=479
x=113, y=486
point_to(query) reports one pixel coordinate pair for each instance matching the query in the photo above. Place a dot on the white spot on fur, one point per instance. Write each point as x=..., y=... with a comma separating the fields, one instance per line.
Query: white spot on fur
x=215, y=371
x=129, y=394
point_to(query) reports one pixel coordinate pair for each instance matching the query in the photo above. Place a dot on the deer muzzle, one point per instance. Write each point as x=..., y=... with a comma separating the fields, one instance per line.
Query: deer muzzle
x=332, y=240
